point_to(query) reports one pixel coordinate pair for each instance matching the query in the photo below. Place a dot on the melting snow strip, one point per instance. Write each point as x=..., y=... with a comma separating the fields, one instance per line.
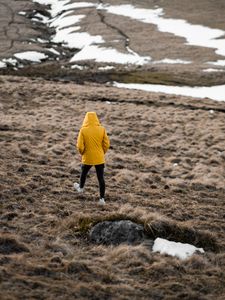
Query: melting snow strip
x=213, y=92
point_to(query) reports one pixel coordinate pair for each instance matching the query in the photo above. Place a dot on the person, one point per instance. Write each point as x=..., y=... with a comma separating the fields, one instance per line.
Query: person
x=92, y=144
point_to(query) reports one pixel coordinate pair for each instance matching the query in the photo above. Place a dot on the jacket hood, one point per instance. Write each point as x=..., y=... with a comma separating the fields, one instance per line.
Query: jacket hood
x=91, y=119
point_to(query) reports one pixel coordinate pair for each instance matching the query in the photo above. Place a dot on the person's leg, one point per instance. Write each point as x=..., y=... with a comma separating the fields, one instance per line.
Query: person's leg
x=84, y=171
x=100, y=174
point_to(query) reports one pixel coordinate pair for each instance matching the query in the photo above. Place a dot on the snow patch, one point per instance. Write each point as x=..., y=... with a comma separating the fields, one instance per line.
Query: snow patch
x=214, y=92
x=2, y=64
x=31, y=56
x=217, y=63
x=22, y=13
x=172, y=61
x=40, y=18
x=106, y=68
x=41, y=41
x=11, y=61
x=53, y=51
x=212, y=70
x=180, y=250
x=59, y=6
x=108, y=55
x=77, y=67
x=65, y=21
x=76, y=39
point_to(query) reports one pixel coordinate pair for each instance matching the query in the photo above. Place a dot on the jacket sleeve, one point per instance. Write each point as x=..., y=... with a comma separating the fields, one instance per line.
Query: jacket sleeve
x=80, y=143
x=105, y=142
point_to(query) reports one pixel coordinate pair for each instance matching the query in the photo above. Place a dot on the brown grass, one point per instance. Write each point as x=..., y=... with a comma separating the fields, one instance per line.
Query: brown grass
x=41, y=213
x=9, y=244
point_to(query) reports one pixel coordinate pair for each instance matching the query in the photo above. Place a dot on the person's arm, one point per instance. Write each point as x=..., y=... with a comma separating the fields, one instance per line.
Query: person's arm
x=80, y=143
x=105, y=142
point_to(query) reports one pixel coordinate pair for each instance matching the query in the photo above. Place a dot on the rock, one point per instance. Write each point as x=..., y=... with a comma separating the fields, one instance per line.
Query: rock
x=117, y=232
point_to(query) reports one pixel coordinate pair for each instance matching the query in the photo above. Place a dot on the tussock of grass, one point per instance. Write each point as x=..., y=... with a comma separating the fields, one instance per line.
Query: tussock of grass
x=10, y=245
x=154, y=224
x=77, y=267
x=132, y=255
x=180, y=233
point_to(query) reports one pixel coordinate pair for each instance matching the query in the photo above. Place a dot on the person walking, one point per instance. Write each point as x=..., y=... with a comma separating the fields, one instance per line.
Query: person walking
x=92, y=144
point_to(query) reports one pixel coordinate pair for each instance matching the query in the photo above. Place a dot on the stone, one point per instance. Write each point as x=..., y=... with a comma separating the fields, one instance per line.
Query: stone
x=117, y=232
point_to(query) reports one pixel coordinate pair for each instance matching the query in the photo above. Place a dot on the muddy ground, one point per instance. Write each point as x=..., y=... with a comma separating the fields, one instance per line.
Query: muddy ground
x=165, y=167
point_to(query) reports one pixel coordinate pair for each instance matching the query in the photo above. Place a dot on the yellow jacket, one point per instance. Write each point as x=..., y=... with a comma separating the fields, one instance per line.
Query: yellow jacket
x=92, y=141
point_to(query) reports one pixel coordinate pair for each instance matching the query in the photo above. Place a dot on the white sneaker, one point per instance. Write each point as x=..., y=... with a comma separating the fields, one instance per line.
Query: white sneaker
x=101, y=201
x=77, y=187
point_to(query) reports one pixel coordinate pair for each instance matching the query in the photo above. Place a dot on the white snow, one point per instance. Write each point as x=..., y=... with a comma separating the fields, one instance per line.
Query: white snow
x=64, y=25
x=172, y=61
x=57, y=6
x=106, y=68
x=40, y=18
x=76, y=39
x=217, y=63
x=78, y=5
x=54, y=51
x=197, y=35
x=22, y=13
x=47, y=2
x=108, y=55
x=213, y=70
x=11, y=61
x=2, y=64
x=42, y=41
x=77, y=67
x=65, y=21
x=180, y=250
x=214, y=92
x=31, y=55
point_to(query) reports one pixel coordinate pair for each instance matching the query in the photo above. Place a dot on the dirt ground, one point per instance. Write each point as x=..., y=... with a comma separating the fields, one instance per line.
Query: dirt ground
x=166, y=165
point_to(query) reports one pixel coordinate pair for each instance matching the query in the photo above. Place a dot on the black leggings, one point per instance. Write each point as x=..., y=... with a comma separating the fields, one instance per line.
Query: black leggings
x=100, y=174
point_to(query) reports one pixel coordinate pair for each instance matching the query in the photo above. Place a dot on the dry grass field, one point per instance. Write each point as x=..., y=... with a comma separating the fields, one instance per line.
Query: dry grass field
x=165, y=169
